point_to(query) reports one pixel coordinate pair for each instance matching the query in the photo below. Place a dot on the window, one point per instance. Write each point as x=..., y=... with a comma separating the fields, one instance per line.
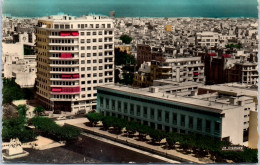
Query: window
x=113, y=104
x=166, y=116
x=208, y=125
x=159, y=115
x=94, y=40
x=138, y=110
x=88, y=33
x=82, y=69
x=82, y=33
x=183, y=120
x=94, y=33
x=108, y=25
x=83, y=89
x=145, y=112
x=152, y=113
x=125, y=107
x=107, y=103
x=82, y=41
x=100, y=33
x=190, y=122
x=88, y=55
x=217, y=128
x=199, y=124
x=174, y=118
x=101, y=101
x=83, y=76
x=100, y=81
x=82, y=82
x=119, y=106
x=88, y=61
x=82, y=54
x=100, y=61
x=82, y=62
x=132, y=109
x=100, y=67
x=82, y=48
x=97, y=25
x=88, y=40
x=100, y=40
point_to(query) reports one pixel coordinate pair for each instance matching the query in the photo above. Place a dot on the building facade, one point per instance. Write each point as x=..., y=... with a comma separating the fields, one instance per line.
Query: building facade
x=199, y=115
x=74, y=56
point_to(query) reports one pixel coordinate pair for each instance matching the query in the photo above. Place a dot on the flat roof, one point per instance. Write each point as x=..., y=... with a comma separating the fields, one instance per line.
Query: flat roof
x=210, y=106
x=234, y=89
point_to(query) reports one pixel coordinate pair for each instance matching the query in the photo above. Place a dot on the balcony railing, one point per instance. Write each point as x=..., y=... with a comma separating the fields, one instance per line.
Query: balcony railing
x=64, y=34
x=65, y=90
x=69, y=76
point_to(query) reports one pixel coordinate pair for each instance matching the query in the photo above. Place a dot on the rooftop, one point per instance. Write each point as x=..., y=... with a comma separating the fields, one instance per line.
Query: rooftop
x=206, y=105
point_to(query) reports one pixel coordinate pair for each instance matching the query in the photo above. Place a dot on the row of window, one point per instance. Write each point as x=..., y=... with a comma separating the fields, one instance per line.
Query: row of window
x=58, y=62
x=81, y=26
x=96, y=40
x=155, y=102
x=100, y=47
x=180, y=120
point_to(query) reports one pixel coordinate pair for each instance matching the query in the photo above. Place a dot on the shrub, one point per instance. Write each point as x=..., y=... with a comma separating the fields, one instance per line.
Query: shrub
x=94, y=118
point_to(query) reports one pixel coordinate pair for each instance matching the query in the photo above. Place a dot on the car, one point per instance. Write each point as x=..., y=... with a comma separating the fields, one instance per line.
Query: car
x=61, y=118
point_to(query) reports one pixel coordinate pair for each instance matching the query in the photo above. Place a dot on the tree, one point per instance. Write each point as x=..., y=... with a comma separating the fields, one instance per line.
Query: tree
x=156, y=135
x=126, y=39
x=38, y=110
x=94, y=118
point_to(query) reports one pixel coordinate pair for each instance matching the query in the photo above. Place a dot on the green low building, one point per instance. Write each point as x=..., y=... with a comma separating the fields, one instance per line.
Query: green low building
x=190, y=115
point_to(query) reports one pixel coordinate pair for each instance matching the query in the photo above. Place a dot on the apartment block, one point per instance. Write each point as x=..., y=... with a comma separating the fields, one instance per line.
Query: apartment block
x=207, y=39
x=74, y=56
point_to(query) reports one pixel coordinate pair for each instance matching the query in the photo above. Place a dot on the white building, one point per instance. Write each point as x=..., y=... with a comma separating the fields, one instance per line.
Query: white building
x=75, y=55
x=207, y=39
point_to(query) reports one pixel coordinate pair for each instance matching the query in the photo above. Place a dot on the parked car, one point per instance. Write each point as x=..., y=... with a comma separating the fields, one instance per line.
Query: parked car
x=61, y=118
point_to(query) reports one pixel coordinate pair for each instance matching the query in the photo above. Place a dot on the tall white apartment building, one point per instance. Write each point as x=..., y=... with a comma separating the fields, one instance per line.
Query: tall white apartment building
x=74, y=56
x=207, y=39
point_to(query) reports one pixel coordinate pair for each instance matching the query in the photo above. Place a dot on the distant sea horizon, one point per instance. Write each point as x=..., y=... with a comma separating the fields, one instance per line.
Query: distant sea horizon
x=134, y=8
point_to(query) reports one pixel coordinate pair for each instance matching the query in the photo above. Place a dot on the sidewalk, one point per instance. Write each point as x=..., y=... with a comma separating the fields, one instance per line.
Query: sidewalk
x=172, y=154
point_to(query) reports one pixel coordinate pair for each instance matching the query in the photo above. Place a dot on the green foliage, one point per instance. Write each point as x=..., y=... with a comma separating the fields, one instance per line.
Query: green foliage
x=132, y=127
x=15, y=128
x=156, y=135
x=126, y=39
x=22, y=109
x=12, y=91
x=201, y=143
x=38, y=110
x=239, y=46
x=94, y=118
x=122, y=58
x=50, y=129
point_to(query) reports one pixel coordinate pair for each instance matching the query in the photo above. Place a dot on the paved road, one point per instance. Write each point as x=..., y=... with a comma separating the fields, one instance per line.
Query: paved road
x=87, y=150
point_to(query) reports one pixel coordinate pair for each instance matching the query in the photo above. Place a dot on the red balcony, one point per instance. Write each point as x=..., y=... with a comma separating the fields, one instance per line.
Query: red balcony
x=65, y=90
x=64, y=34
x=66, y=55
x=226, y=56
x=70, y=76
x=196, y=73
x=75, y=33
x=212, y=54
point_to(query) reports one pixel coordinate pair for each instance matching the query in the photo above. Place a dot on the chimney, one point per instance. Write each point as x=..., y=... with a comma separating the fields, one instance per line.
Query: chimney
x=233, y=100
x=154, y=89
